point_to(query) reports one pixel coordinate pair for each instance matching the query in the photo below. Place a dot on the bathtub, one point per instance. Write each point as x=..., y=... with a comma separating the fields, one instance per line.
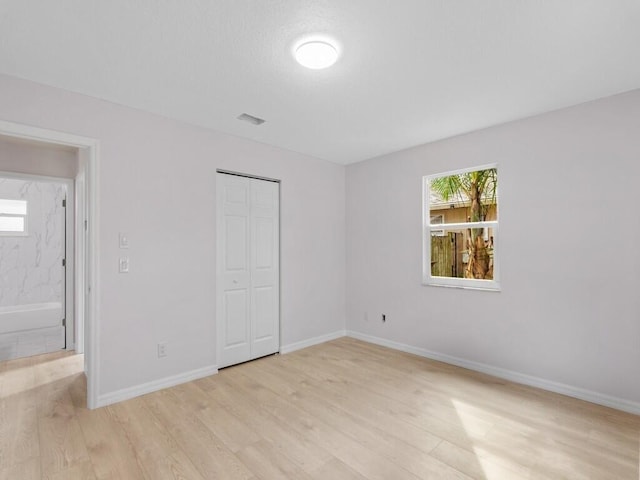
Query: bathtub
x=29, y=317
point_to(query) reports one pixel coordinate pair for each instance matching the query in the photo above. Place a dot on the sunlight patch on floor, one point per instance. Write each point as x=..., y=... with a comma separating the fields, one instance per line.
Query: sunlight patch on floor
x=14, y=381
x=492, y=464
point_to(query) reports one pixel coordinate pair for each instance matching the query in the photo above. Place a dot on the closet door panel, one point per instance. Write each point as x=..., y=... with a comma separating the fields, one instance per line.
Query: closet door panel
x=265, y=268
x=233, y=278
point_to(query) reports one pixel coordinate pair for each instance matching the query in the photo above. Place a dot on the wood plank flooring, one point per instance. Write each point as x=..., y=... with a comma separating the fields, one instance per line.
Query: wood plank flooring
x=341, y=410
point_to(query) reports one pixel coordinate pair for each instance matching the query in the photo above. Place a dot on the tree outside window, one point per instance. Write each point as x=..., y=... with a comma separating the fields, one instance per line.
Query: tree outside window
x=460, y=249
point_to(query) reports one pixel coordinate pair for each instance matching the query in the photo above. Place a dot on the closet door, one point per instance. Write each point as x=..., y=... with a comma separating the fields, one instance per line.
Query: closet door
x=265, y=294
x=233, y=270
x=247, y=252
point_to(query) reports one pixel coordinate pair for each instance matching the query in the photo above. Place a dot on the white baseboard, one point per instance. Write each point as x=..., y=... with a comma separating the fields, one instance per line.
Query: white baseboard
x=292, y=347
x=575, y=392
x=154, y=386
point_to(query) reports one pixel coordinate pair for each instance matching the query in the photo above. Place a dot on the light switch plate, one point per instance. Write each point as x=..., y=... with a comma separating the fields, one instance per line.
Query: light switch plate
x=124, y=265
x=123, y=240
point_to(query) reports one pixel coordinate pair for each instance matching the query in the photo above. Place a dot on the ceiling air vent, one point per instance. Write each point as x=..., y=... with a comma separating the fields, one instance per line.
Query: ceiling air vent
x=245, y=117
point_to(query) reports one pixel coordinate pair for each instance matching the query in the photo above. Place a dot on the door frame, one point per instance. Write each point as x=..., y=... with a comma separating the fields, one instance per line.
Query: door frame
x=87, y=291
x=268, y=179
x=69, y=283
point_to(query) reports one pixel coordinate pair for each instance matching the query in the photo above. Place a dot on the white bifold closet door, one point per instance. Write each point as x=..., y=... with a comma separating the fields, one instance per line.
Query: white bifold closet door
x=248, y=268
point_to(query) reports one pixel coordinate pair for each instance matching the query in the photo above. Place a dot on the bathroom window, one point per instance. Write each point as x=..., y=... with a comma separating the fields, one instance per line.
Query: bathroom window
x=13, y=217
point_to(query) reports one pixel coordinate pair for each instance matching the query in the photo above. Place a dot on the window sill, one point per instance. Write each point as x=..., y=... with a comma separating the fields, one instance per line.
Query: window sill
x=493, y=288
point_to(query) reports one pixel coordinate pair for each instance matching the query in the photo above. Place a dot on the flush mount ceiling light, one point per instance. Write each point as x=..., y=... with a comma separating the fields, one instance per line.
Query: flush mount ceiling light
x=316, y=54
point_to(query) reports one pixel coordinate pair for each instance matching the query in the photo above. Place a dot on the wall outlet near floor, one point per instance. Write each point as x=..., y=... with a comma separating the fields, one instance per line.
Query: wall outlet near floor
x=162, y=349
x=384, y=318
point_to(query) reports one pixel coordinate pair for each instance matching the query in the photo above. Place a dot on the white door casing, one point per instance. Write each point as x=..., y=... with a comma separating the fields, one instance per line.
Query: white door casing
x=247, y=252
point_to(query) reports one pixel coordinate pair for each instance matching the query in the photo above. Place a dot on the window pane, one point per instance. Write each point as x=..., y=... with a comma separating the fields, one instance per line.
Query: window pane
x=13, y=207
x=437, y=219
x=464, y=197
x=462, y=253
x=11, y=224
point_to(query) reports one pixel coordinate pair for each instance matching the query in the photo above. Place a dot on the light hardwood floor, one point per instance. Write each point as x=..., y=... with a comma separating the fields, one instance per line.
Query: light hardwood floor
x=340, y=410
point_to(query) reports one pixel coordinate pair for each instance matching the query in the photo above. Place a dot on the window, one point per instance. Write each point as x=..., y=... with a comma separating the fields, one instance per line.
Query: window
x=460, y=228
x=13, y=217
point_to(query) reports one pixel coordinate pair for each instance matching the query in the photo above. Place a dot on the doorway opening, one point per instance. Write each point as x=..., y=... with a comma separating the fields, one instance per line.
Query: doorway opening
x=81, y=301
x=36, y=261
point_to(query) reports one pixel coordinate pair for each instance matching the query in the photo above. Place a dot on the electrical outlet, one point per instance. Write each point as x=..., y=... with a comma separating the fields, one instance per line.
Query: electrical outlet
x=384, y=318
x=162, y=349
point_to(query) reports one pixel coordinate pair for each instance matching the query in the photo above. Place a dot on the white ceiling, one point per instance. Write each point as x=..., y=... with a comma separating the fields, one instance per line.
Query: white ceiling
x=410, y=71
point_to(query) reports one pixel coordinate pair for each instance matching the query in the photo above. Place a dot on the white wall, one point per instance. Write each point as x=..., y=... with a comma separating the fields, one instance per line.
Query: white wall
x=568, y=311
x=23, y=156
x=569, y=307
x=157, y=184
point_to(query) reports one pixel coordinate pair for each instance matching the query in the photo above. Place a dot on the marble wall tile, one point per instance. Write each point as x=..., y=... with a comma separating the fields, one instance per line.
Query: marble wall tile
x=24, y=344
x=31, y=266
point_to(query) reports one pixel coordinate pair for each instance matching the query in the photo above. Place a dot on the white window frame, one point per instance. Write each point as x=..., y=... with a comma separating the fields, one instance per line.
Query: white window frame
x=428, y=229
x=25, y=217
